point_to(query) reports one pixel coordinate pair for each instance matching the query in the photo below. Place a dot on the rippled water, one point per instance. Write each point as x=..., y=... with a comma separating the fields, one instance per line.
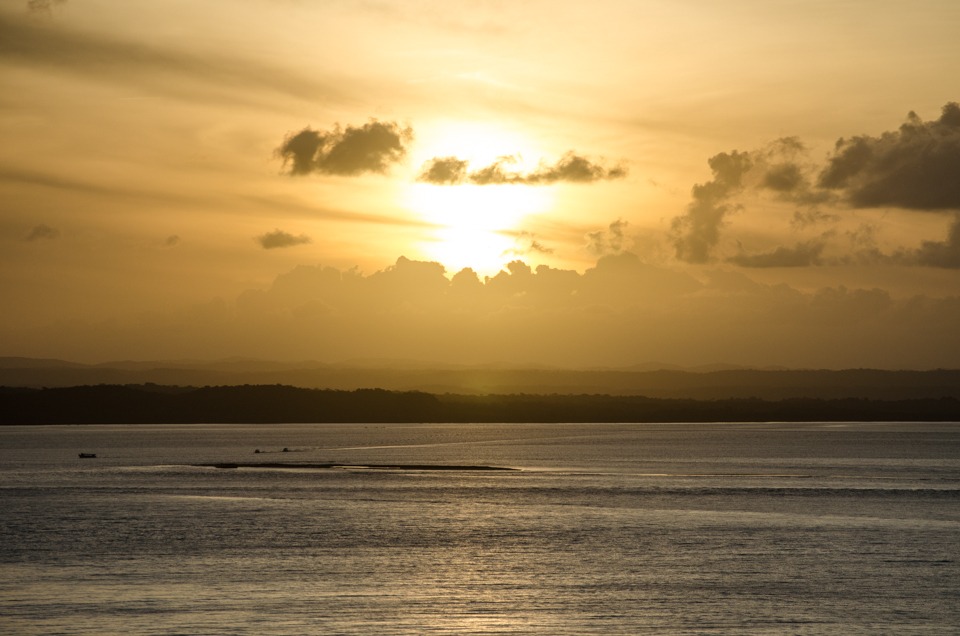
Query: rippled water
x=602, y=529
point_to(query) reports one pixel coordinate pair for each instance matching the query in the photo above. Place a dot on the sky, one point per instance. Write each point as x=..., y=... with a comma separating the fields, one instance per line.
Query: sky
x=558, y=183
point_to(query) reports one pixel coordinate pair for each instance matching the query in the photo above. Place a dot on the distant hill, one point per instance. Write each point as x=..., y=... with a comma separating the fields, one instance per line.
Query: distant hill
x=714, y=382
x=113, y=404
x=38, y=363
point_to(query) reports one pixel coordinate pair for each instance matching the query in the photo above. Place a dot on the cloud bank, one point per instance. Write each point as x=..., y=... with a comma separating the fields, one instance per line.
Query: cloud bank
x=349, y=151
x=616, y=313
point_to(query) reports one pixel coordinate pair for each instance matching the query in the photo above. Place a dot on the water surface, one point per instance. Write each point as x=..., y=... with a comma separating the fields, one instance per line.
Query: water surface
x=599, y=529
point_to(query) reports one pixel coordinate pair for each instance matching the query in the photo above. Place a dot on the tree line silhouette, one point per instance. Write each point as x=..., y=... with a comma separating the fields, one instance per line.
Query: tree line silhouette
x=156, y=404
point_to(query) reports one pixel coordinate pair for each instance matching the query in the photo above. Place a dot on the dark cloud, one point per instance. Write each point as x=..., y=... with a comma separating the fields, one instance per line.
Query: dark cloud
x=443, y=171
x=609, y=241
x=802, y=254
x=779, y=167
x=494, y=174
x=916, y=167
x=171, y=240
x=779, y=164
x=697, y=232
x=574, y=168
x=43, y=231
x=372, y=147
x=944, y=253
x=782, y=168
x=784, y=177
x=571, y=168
x=279, y=238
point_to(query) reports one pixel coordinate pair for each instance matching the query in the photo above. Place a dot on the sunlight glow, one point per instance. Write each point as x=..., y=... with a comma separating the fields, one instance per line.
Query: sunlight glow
x=480, y=143
x=475, y=222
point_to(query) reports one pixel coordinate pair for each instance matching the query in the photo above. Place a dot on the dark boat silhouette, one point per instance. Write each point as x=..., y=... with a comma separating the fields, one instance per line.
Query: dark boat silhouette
x=88, y=455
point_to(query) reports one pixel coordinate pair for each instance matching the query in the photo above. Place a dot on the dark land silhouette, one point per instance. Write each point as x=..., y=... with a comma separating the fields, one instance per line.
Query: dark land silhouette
x=649, y=380
x=132, y=404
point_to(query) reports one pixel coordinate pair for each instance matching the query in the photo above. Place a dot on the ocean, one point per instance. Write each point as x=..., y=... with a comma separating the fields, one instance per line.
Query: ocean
x=772, y=528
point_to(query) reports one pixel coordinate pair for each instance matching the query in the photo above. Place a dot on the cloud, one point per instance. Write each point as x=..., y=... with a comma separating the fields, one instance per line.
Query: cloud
x=810, y=217
x=286, y=205
x=443, y=171
x=802, y=254
x=779, y=169
x=19, y=176
x=51, y=46
x=915, y=167
x=783, y=177
x=782, y=168
x=618, y=312
x=408, y=282
x=279, y=238
x=945, y=253
x=526, y=243
x=571, y=168
x=42, y=7
x=574, y=168
x=171, y=241
x=864, y=236
x=31, y=178
x=697, y=232
x=41, y=232
x=494, y=174
x=614, y=314
x=372, y=147
x=609, y=241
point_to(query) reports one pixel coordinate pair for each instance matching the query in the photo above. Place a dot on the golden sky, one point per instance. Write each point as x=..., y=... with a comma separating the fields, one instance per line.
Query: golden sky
x=557, y=183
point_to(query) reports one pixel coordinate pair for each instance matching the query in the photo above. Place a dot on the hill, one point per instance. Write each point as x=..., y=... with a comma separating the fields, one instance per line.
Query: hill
x=714, y=383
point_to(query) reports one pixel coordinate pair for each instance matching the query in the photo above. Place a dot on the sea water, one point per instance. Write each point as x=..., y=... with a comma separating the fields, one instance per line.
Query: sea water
x=597, y=529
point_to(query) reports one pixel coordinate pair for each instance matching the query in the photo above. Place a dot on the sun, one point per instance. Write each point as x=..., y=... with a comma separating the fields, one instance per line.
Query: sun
x=475, y=224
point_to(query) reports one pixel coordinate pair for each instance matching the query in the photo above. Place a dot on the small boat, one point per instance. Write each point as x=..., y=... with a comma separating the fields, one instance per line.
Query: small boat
x=88, y=455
